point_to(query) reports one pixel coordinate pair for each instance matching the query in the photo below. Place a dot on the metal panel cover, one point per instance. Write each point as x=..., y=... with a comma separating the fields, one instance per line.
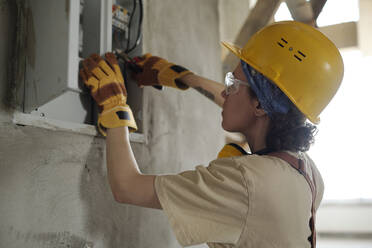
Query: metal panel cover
x=52, y=42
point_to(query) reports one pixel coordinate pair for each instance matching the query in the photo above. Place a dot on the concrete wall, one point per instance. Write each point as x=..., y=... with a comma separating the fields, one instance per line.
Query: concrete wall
x=53, y=185
x=6, y=31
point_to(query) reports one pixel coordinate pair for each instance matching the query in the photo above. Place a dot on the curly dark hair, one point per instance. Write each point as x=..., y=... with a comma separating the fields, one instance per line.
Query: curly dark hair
x=289, y=131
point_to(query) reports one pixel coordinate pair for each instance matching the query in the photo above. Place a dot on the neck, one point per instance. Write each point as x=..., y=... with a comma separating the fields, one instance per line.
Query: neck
x=256, y=135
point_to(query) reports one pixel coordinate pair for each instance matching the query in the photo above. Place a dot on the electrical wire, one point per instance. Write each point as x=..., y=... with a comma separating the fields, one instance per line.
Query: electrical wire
x=139, y=30
x=130, y=24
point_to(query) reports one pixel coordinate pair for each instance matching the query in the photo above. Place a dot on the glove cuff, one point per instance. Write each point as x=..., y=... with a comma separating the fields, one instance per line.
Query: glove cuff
x=170, y=75
x=119, y=116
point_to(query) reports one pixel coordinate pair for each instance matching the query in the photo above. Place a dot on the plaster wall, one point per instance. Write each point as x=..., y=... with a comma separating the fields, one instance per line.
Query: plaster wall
x=53, y=186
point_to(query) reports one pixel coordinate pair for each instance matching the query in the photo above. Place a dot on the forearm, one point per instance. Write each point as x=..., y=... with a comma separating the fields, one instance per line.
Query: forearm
x=127, y=183
x=121, y=164
x=209, y=88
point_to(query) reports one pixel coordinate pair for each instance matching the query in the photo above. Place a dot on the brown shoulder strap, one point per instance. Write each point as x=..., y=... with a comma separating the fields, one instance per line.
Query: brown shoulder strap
x=298, y=164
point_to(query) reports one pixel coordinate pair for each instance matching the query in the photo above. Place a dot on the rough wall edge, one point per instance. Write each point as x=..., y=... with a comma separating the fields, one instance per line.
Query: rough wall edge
x=20, y=118
x=17, y=57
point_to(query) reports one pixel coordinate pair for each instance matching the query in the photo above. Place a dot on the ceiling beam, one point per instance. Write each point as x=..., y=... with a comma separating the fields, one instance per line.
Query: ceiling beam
x=305, y=11
x=317, y=7
x=258, y=17
x=343, y=35
x=301, y=10
x=364, y=27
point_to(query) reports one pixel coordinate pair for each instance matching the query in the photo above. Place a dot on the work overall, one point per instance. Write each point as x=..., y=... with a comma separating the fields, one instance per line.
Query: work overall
x=235, y=150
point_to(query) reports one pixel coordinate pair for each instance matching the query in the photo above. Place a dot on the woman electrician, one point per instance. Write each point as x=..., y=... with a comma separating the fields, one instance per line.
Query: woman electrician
x=288, y=73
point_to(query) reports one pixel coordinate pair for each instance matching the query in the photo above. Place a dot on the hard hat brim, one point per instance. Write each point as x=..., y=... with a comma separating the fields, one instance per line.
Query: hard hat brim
x=233, y=48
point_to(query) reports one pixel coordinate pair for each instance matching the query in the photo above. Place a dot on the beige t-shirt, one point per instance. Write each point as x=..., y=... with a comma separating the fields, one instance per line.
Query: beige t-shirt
x=247, y=201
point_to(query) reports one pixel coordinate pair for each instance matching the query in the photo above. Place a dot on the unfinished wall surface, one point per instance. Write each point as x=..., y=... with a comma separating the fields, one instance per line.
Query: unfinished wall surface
x=6, y=21
x=53, y=186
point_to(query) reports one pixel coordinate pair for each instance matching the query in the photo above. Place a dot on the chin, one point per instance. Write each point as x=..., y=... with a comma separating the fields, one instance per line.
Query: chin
x=226, y=127
x=230, y=127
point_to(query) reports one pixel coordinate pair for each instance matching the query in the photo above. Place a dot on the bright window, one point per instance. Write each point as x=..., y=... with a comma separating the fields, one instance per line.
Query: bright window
x=343, y=143
x=282, y=14
x=336, y=11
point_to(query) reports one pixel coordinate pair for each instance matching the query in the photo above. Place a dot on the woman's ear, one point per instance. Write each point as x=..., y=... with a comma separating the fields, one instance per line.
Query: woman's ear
x=258, y=110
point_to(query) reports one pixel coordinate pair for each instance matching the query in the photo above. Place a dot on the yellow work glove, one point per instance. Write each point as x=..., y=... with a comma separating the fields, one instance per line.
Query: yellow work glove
x=157, y=71
x=107, y=87
x=231, y=150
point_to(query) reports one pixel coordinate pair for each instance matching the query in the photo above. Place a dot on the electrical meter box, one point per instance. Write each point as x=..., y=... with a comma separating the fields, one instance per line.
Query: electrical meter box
x=59, y=35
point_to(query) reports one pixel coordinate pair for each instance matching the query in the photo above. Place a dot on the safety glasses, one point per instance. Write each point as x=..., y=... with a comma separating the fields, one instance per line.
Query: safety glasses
x=232, y=84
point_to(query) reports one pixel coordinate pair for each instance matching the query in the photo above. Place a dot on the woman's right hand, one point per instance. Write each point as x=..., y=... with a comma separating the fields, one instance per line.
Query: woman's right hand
x=156, y=71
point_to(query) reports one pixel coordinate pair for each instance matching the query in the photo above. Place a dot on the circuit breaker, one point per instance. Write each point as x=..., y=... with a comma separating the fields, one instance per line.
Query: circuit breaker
x=120, y=19
x=62, y=33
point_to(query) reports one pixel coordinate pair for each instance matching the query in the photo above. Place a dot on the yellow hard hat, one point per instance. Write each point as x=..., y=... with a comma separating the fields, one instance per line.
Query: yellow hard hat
x=300, y=60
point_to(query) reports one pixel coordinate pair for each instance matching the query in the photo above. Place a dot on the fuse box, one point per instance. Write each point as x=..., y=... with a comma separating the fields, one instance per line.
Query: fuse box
x=60, y=34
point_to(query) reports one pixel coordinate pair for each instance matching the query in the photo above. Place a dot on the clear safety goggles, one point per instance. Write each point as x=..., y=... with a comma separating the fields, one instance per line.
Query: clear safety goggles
x=232, y=83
